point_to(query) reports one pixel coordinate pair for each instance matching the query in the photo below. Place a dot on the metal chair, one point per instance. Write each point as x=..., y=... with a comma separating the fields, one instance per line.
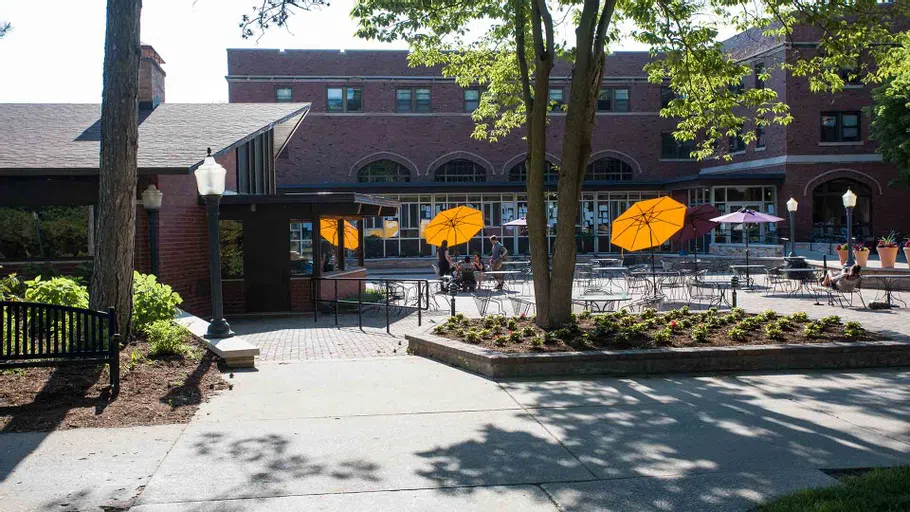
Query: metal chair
x=483, y=298
x=776, y=280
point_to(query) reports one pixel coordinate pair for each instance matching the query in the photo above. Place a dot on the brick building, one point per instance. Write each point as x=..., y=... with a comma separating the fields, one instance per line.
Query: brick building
x=49, y=155
x=404, y=132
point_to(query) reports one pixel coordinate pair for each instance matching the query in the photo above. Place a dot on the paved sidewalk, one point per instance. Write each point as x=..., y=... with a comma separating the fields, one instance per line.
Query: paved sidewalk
x=405, y=433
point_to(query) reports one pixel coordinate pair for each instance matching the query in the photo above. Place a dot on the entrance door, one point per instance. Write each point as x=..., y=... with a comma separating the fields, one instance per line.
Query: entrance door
x=266, y=271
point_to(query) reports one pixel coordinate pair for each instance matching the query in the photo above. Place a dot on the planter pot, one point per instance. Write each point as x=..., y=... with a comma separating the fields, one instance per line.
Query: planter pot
x=862, y=257
x=842, y=254
x=907, y=254
x=887, y=255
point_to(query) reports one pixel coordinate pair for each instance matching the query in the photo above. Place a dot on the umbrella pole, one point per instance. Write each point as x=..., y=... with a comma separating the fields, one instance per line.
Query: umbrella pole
x=695, y=248
x=747, y=253
x=653, y=277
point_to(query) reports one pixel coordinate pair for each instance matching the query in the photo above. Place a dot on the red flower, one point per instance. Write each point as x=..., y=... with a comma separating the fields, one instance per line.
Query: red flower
x=672, y=324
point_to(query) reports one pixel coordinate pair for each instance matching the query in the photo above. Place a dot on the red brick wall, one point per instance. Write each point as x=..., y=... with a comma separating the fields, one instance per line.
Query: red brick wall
x=302, y=291
x=183, y=238
x=301, y=294
x=233, y=296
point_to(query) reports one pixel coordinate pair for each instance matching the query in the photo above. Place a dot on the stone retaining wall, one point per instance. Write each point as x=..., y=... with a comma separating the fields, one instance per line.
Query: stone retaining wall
x=497, y=364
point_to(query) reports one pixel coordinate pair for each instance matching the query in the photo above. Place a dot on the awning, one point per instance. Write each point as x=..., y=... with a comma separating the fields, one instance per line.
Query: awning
x=335, y=204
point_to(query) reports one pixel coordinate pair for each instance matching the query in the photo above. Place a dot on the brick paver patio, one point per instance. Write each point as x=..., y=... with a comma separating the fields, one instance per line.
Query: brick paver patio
x=298, y=337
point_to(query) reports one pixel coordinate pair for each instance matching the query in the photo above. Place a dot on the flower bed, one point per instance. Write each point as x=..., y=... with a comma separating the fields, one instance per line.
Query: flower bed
x=650, y=330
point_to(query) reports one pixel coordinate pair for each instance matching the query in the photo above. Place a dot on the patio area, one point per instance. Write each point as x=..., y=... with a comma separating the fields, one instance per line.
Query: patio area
x=300, y=337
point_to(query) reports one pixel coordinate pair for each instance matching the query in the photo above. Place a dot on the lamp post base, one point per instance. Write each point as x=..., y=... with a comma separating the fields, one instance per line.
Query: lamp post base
x=219, y=329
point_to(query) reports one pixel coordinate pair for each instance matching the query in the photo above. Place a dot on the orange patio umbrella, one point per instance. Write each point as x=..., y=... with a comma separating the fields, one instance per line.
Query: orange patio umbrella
x=328, y=228
x=457, y=226
x=648, y=224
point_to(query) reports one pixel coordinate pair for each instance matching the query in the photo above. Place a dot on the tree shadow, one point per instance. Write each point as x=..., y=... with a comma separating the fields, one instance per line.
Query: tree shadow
x=65, y=389
x=190, y=391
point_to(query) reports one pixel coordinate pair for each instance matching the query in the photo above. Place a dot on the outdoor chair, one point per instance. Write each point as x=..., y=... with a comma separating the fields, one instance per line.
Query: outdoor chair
x=442, y=280
x=674, y=287
x=701, y=292
x=523, y=306
x=647, y=302
x=776, y=281
x=844, y=292
x=483, y=299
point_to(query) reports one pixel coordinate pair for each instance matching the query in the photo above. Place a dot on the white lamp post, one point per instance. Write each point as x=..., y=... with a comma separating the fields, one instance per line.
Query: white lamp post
x=210, y=183
x=792, y=205
x=151, y=200
x=849, y=203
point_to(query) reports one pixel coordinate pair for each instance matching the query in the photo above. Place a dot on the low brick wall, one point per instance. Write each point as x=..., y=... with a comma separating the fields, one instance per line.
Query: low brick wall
x=233, y=296
x=493, y=363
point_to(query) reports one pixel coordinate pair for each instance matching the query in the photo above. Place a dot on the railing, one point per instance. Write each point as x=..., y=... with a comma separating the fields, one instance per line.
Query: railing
x=387, y=287
x=33, y=334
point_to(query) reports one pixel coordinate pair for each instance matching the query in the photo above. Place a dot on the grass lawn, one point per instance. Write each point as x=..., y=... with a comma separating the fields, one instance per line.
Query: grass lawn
x=879, y=490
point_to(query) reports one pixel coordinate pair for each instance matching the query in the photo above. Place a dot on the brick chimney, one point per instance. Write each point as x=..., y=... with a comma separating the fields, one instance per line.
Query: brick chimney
x=151, y=79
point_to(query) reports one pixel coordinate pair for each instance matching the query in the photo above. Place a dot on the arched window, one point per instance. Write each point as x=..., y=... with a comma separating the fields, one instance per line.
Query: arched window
x=608, y=169
x=829, y=219
x=383, y=171
x=460, y=171
x=519, y=172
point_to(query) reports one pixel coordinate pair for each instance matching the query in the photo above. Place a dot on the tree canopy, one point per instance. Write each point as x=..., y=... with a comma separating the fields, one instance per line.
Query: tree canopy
x=891, y=111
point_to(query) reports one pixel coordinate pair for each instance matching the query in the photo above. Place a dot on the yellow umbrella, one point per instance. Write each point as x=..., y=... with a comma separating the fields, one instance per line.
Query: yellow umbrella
x=328, y=228
x=648, y=224
x=457, y=226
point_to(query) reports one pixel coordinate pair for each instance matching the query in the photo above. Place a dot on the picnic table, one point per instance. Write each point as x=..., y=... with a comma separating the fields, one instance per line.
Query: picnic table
x=888, y=284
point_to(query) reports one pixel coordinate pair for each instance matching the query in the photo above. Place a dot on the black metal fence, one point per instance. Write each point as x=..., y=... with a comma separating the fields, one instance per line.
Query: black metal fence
x=33, y=334
x=402, y=294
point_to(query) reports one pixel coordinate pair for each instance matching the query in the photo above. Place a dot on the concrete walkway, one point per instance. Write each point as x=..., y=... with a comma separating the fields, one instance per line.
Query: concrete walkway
x=409, y=434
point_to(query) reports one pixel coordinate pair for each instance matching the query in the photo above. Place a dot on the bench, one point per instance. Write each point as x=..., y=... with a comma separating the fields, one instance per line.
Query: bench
x=33, y=334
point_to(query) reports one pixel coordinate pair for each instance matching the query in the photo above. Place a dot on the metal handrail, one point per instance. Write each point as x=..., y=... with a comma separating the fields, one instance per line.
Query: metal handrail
x=423, y=292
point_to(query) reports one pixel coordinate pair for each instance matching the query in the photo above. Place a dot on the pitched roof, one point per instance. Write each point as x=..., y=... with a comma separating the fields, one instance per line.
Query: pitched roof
x=173, y=137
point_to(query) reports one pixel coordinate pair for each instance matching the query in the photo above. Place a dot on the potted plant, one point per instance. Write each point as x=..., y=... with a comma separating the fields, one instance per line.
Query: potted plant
x=842, y=252
x=887, y=250
x=907, y=250
x=861, y=253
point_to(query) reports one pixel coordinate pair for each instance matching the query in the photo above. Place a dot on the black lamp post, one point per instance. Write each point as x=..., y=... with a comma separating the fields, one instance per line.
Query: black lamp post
x=791, y=208
x=849, y=202
x=151, y=200
x=210, y=183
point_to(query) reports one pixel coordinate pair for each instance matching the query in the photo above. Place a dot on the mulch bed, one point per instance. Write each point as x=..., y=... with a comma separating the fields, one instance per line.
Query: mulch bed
x=152, y=392
x=618, y=331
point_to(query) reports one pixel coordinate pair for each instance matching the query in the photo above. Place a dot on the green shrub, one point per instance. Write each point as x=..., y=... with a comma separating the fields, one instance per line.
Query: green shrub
x=663, y=336
x=537, y=341
x=814, y=329
x=500, y=340
x=528, y=332
x=584, y=314
x=486, y=334
x=648, y=313
x=768, y=314
x=749, y=324
x=515, y=337
x=774, y=331
x=800, y=317
x=737, y=334
x=784, y=323
x=472, y=336
x=61, y=291
x=831, y=320
x=737, y=313
x=152, y=301
x=11, y=288
x=512, y=324
x=700, y=334
x=440, y=329
x=853, y=330
x=166, y=338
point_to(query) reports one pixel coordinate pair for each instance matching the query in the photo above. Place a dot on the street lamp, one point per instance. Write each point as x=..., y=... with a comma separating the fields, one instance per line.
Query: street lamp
x=791, y=207
x=210, y=183
x=151, y=200
x=849, y=202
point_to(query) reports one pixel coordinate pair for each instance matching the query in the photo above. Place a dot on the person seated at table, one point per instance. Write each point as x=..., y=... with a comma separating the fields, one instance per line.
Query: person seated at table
x=468, y=279
x=844, y=281
x=477, y=263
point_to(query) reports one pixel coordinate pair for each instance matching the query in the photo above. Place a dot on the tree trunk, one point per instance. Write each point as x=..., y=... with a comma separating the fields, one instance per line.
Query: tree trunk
x=112, y=279
x=544, y=50
x=576, y=148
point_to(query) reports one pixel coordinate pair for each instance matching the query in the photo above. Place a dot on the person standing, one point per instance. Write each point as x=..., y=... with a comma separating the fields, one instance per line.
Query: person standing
x=445, y=260
x=497, y=254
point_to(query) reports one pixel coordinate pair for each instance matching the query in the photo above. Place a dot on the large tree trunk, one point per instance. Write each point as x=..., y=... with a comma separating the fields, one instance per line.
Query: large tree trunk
x=576, y=148
x=112, y=280
x=544, y=50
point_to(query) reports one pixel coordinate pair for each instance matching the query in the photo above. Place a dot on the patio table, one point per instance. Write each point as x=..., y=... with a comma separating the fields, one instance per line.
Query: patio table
x=888, y=283
x=609, y=300
x=609, y=274
x=803, y=277
x=656, y=277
